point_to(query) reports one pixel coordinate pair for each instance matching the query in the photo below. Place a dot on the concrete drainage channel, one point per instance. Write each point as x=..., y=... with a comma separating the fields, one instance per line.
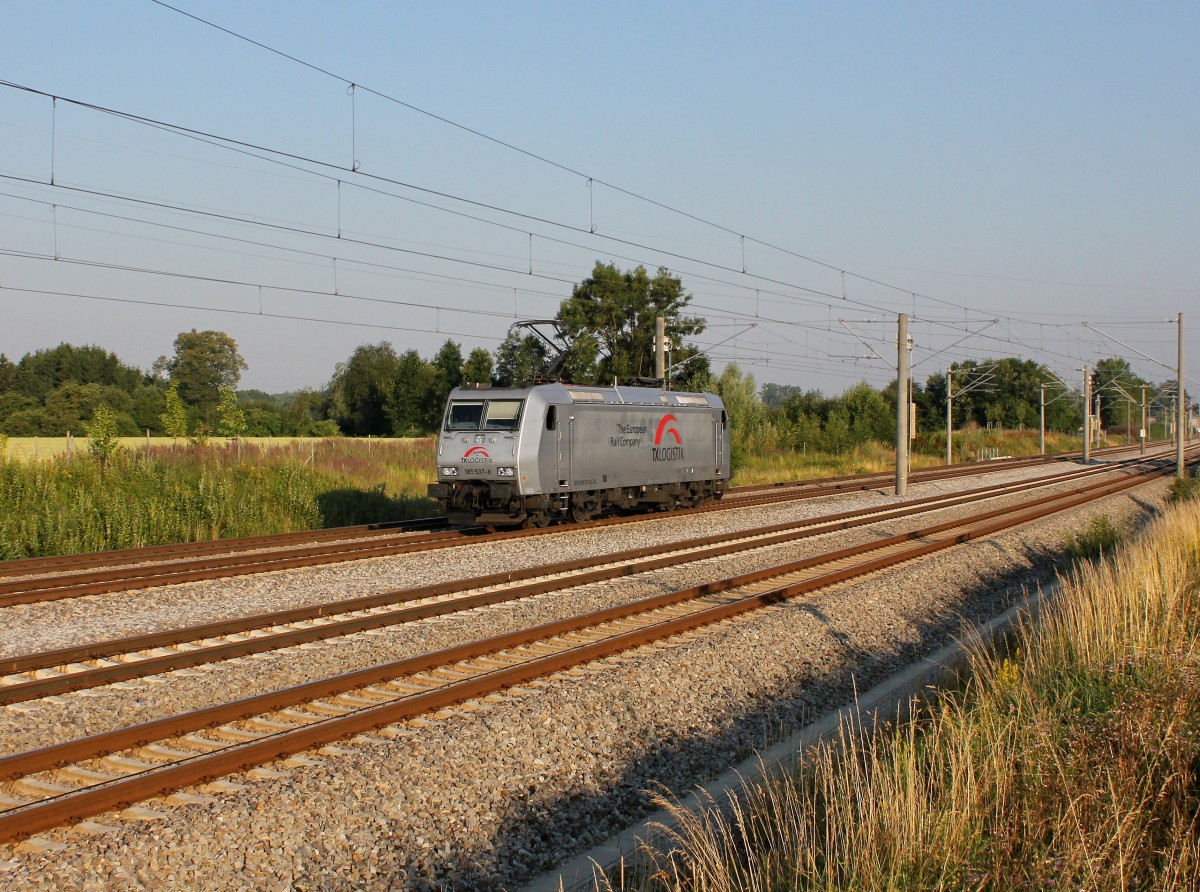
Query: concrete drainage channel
x=883, y=702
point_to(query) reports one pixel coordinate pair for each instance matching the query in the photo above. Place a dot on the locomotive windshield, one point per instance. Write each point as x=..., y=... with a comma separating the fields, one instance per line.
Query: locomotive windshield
x=502, y=415
x=464, y=416
x=489, y=415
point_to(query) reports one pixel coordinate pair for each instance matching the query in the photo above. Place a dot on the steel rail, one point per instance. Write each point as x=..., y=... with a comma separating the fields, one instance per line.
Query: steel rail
x=554, y=577
x=230, y=545
x=74, y=585
x=50, y=812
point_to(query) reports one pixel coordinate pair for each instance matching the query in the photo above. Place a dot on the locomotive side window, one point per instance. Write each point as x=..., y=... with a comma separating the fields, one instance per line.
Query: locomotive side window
x=464, y=415
x=552, y=418
x=502, y=415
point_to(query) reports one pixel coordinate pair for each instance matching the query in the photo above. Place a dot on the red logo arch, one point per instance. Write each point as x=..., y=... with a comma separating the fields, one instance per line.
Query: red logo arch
x=668, y=426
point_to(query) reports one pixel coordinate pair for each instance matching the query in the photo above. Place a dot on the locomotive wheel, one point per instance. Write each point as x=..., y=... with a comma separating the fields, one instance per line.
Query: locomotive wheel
x=536, y=520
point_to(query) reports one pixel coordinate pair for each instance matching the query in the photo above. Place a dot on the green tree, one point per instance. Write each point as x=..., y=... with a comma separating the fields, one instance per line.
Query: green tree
x=40, y=372
x=174, y=419
x=102, y=434
x=204, y=362
x=147, y=406
x=12, y=402
x=67, y=407
x=231, y=419
x=610, y=319
x=749, y=428
x=478, y=367
x=410, y=406
x=361, y=388
x=836, y=433
x=306, y=414
x=448, y=373
x=871, y=416
x=1115, y=383
x=931, y=407
x=8, y=374
x=519, y=359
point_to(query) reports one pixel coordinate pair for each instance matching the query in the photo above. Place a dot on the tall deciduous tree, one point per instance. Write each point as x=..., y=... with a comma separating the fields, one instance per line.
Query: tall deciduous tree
x=361, y=388
x=204, y=362
x=610, y=318
x=1116, y=383
x=410, y=406
x=747, y=414
x=447, y=374
x=519, y=359
x=478, y=367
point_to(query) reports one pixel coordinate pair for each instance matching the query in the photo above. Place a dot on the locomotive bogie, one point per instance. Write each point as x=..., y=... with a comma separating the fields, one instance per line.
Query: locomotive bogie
x=553, y=452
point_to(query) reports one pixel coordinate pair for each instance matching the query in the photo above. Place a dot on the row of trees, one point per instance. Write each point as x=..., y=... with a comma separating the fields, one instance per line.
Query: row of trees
x=602, y=333
x=59, y=390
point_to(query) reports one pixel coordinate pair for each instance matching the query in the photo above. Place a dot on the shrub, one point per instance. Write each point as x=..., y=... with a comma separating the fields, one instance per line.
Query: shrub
x=102, y=434
x=1099, y=539
x=1185, y=488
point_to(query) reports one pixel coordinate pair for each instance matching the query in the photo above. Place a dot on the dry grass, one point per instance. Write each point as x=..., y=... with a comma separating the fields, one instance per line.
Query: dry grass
x=1074, y=764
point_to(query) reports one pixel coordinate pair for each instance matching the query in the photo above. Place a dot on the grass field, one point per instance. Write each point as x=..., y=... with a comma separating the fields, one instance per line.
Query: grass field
x=181, y=492
x=56, y=499
x=31, y=448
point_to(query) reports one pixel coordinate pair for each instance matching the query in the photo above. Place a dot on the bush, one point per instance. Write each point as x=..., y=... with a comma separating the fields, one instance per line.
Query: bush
x=102, y=434
x=1185, y=488
x=1099, y=539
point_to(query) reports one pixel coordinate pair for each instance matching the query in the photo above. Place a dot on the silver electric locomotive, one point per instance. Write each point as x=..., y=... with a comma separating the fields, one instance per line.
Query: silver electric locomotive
x=532, y=455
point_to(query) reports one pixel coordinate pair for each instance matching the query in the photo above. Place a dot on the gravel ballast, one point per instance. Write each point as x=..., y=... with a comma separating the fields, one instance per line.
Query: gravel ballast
x=486, y=798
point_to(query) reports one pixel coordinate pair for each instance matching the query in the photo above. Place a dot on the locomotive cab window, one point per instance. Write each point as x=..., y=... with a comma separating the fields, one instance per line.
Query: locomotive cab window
x=502, y=415
x=464, y=415
x=552, y=418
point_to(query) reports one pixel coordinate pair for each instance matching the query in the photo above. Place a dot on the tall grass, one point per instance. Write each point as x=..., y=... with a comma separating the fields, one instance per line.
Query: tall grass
x=1073, y=764
x=868, y=458
x=873, y=458
x=53, y=500
x=975, y=442
x=183, y=493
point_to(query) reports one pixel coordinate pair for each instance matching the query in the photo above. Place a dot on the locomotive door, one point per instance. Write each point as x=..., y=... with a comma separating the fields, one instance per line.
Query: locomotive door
x=561, y=450
x=566, y=443
x=719, y=438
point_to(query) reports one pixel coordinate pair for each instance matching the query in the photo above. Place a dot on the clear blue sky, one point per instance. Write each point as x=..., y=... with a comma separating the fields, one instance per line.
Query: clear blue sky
x=1031, y=162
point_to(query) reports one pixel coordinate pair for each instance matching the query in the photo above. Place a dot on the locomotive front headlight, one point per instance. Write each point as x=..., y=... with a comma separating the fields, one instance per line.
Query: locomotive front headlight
x=450, y=471
x=506, y=472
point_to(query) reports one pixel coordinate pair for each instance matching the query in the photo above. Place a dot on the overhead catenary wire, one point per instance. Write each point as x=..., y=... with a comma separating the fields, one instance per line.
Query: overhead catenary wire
x=590, y=179
x=817, y=297
x=296, y=230
x=241, y=145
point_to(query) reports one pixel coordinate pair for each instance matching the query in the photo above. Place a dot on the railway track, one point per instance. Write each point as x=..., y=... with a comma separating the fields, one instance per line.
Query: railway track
x=77, y=668
x=66, y=670
x=78, y=779
x=47, y=579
